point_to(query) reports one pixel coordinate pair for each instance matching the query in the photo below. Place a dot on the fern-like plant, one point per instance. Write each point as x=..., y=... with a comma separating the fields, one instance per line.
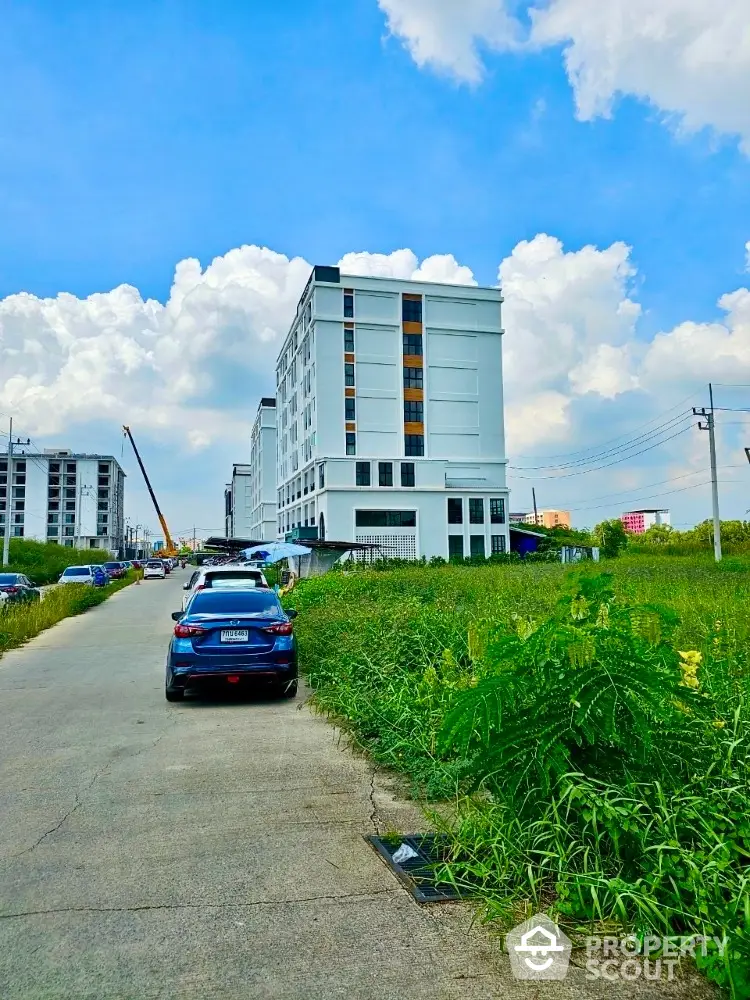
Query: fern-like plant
x=596, y=689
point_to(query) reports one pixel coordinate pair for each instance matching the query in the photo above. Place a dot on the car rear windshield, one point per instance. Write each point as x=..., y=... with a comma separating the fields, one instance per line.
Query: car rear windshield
x=8, y=579
x=233, y=602
x=153, y=565
x=219, y=579
x=77, y=571
x=112, y=565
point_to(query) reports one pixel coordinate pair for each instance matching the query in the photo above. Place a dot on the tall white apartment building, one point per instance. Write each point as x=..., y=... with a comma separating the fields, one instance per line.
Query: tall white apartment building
x=238, y=503
x=263, y=472
x=64, y=497
x=390, y=417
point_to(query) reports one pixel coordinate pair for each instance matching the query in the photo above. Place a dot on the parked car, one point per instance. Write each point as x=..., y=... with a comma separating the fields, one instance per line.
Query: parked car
x=232, y=636
x=18, y=588
x=222, y=577
x=81, y=574
x=116, y=570
x=154, y=570
x=101, y=576
x=137, y=564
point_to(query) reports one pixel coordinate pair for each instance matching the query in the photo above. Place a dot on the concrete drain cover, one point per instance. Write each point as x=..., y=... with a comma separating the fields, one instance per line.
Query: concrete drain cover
x=413, y=859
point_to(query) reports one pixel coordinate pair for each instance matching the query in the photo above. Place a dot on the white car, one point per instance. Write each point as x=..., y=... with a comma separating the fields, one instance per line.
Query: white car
x=78, y=574
x=154, y=570
x=224, y=577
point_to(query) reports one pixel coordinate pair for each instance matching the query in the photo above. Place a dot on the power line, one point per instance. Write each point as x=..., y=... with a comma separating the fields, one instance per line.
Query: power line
x=647, y=486
x=608, y=465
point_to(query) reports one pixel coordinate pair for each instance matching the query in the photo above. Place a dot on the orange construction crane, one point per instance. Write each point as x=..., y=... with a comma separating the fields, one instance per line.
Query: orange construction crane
x=169, y=546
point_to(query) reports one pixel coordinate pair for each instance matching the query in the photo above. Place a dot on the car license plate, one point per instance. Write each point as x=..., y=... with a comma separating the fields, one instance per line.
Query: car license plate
x=234, y=635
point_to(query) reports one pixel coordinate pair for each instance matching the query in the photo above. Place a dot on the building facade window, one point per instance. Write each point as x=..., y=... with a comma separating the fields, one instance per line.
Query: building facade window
x=385, y=518
x=351, y=443
x=455, y=546
x=348, y=303
x=413, y=411
x=348, y=374
x=385, y=473
x=363, y=473
x=497, y=511
x=349, y=408
x=412, y=378
x=413, y=344
x=476, y=545
x=476, y=510
x=321, y=480
x=497, y=544
x=349, y=339
x=407, y=473
x=455, y=510
x=414, y=445
x=411, y=310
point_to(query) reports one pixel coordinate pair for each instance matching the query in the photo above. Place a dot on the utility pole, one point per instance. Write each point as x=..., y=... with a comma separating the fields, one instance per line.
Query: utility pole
x=193, y=538
x=533, y=497
x=710, y=425
x=8, y=492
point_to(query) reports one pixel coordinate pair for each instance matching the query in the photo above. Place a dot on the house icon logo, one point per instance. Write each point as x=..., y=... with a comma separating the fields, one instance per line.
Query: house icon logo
x=538, y=949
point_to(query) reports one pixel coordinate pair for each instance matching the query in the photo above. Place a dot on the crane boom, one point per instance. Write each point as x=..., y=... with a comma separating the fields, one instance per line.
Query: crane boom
x=168, y=543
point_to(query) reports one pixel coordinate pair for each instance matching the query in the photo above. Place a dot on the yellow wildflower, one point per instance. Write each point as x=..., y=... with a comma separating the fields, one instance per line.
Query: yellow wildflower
x=691, y=660
x=719, y=723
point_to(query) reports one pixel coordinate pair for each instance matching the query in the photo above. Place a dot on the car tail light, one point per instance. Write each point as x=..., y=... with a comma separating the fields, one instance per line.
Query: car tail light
x=186, y=631
x=282, y=628
x=11, y=590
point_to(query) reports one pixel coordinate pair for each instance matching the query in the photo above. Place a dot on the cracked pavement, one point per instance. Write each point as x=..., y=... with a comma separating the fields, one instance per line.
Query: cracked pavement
x=207, y=849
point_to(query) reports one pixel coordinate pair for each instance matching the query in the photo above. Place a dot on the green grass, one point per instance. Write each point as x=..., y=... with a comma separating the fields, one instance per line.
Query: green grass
x=21, y=622
x=638, y=815
x=43, y=562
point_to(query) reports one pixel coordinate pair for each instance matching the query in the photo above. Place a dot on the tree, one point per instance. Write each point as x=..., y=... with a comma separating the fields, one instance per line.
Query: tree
x=612, y=537
x=659, y=534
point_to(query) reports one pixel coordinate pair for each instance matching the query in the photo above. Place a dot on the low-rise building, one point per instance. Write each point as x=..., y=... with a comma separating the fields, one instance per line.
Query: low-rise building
x=639, y=521
x=549, y=518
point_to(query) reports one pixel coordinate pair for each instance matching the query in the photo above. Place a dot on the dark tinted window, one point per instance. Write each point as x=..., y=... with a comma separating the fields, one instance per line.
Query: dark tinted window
x=351, y=443
x=411, y=310
x=349, y=341
x=413, y=411
x=412, y=378
x=497, y=511
x=407, y=473
x=455, y=547
x=363, y=473
x=349, y=408
x=231, y=602
x=476, y=510
x=414, y=444
x=476, y=543
x=77, y=571
x=455, y=510
x=349, y=374
x=348, y=304
x=385, y=473
x=386, y=519
x=413, y=343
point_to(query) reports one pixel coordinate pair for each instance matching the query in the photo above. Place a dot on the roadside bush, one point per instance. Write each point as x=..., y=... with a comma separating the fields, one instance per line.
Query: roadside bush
x=44, y=562
x=592, y=732
x=21, y=622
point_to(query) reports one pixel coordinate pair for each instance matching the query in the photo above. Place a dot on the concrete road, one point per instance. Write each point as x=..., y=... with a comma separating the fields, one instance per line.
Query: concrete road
x=205, y=849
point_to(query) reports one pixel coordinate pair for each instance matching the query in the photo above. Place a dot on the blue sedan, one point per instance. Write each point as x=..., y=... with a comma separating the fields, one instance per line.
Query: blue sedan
x=232, y=636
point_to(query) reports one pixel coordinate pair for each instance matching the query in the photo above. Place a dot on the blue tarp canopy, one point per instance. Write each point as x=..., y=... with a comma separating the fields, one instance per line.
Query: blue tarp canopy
x=272, y=552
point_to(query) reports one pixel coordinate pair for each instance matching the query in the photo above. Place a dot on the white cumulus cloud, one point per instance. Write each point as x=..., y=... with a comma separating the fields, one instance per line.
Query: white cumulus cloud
x=688, y=58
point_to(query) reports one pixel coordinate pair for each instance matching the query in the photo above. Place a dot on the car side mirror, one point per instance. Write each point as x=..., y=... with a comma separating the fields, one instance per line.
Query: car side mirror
x=186, y=586
x=291, y=613
x=176, y=615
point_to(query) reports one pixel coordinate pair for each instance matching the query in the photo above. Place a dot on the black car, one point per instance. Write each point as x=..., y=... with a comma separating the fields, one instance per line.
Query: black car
x=18, y=588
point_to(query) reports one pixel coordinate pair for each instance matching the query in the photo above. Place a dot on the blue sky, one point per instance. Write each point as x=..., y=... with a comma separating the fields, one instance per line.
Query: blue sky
x=135, y=136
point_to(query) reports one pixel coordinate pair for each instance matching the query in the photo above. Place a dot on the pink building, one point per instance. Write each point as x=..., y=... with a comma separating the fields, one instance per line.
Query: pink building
x=638, y=521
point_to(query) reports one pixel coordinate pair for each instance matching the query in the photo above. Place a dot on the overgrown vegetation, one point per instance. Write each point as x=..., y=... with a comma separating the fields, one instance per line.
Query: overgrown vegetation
x=21, y=622
x=593, y=730
x=44, y=562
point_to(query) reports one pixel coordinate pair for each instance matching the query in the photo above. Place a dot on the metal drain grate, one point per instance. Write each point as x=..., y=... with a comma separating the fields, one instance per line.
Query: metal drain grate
x=418, y=873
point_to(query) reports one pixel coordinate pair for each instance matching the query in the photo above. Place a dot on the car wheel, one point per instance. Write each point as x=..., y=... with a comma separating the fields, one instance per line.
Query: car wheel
x=287, y=689
x=174, y=694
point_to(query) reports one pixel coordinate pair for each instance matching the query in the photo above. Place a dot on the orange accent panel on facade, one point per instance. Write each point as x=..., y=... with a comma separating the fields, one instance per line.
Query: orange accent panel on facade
x=349, y=359
x=413, y=428
x=413, y=395
x=412, y=327
x=413, y=361
x=349, y=390
x=350, y=427
x=412, y=298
